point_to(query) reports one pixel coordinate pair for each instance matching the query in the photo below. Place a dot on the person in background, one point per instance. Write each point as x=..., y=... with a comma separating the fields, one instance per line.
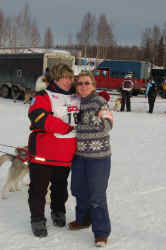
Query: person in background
x=92, y=161
x=151, y=93
x=52, y=145
x=47, y=71
x=126, y=92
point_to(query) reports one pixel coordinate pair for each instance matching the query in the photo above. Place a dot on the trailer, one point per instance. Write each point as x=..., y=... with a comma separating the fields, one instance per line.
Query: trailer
x=109, y=74
x=20, y=71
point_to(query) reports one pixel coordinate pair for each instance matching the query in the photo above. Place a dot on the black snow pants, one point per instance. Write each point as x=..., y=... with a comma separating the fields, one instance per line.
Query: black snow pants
x=40, y=176
x=151, y=101
x=125, y=100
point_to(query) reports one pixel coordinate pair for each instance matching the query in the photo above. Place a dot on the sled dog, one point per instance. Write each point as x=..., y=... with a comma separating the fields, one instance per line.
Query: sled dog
x=16, y=172
x=16, y=93
x=41, y=84
x=28, y=95
x=117, y=104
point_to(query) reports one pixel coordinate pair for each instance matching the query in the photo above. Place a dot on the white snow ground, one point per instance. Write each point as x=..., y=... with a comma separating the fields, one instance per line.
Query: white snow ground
x=136, y=192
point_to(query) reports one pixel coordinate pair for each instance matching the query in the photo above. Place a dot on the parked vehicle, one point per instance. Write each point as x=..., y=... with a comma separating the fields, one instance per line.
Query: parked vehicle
x=109, y=74
x=159, y=76
x=20, y=71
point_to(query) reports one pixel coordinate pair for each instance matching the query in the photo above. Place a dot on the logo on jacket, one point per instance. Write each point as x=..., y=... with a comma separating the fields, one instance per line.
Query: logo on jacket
x=55, y=97
x=72, y=108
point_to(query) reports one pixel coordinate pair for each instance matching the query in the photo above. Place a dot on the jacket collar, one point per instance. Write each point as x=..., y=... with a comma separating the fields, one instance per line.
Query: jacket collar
x=55, y=88
x=88, y=98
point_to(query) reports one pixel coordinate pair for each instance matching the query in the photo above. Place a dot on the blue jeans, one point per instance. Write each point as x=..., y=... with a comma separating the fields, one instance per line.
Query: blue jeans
x=89, y=180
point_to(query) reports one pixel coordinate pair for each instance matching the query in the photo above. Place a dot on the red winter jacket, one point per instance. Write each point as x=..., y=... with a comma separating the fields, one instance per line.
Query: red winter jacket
x=51, y=141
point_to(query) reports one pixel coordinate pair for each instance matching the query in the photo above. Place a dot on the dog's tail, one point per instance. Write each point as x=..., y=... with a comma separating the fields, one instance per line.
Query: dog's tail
x=6, y=157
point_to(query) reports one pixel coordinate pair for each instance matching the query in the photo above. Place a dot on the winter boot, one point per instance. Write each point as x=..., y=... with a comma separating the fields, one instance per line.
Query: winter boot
x=58, y=219
x=39, y=228
x=73, y=226
x=101, y=242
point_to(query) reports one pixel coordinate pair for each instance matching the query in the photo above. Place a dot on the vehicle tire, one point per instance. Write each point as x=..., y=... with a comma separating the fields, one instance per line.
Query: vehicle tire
x=5, y=91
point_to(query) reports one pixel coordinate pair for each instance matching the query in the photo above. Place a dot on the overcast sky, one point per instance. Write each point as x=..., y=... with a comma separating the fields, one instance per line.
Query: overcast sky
x=129, y=17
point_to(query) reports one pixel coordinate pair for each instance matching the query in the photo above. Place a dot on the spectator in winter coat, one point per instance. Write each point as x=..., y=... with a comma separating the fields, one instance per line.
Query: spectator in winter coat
x=126, y=91
x=92, y=161
x=52, y=144
x=151, y=93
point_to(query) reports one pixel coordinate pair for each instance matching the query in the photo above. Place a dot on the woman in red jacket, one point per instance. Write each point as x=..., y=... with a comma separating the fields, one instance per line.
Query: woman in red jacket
x=52, y=144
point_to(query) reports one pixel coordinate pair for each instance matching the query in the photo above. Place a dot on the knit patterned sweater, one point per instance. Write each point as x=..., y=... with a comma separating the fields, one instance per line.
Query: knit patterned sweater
x=93, y=140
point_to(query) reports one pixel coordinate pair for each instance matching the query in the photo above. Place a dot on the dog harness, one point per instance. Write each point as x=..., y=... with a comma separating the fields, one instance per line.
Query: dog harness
x=26, y=159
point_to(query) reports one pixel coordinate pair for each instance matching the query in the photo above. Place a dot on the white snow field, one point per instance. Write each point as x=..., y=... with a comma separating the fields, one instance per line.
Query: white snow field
x=136, y=191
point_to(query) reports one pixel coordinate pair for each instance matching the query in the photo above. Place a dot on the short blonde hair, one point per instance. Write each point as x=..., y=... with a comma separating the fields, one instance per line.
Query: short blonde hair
x=61, y=70
x=90, y=75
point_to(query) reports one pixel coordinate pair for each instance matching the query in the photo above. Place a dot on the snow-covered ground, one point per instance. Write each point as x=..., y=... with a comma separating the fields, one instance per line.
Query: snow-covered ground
x=136, y=192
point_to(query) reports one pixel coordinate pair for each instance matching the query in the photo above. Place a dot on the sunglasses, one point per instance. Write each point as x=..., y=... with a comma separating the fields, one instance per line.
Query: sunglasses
x=83, y=83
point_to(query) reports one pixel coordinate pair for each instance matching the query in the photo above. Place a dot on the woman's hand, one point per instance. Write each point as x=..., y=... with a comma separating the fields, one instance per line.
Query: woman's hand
x=106, y=114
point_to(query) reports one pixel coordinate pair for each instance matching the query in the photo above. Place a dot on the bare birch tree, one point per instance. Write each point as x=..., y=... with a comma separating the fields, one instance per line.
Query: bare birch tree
x=105, y=36
x=161, y=52
x=2, y=20
x=150, y=41
x=146, y=36
x=6, y=38
x=147, y=44
x=25, y=25
x=164, y=33
x=86, y=35
x=48, y=38
x=19, y=31
x=25, y=30
x=156, y=35
x=35, y=34
x=70, y=39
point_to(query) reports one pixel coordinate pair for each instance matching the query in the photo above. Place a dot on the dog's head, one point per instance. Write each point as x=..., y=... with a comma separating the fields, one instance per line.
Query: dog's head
x=22, y=152
x=118, y=100
x=41, y=83
x=28, y=95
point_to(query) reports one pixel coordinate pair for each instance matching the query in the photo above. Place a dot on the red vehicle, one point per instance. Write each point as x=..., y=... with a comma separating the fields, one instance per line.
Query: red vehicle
x=109, y=74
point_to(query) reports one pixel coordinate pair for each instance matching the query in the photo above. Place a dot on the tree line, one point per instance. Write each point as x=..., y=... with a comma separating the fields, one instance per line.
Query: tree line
x=22, y=31
x=94, y=39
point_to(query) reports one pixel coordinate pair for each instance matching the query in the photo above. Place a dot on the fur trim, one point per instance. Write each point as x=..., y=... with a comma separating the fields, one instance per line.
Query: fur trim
x=41, y=83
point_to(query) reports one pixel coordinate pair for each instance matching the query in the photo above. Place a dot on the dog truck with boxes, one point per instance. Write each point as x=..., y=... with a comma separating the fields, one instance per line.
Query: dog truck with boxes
x=19, y=71
x=159, y=76
x=109, y=74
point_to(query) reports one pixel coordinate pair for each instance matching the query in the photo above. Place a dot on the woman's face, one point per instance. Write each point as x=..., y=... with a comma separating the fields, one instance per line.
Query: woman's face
x=64, y=83
x=84, y=86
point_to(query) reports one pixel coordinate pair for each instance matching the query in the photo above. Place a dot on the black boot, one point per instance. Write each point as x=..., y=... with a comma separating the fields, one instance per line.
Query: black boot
x=58, y=219
x=39, y=228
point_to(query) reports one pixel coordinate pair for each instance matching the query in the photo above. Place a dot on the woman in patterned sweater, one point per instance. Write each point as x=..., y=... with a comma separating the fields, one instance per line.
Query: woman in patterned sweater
x=92, y=161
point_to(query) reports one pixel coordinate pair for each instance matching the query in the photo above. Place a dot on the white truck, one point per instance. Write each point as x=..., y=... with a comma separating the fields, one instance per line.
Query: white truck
x=20, y=70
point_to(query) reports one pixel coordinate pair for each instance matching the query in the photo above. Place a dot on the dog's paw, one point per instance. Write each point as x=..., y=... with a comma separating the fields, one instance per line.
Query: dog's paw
x=3, y=197
x=25, y=184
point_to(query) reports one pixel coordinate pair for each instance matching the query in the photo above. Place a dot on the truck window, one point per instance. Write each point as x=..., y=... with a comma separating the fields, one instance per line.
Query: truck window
x=104, y=73
x=117, y=74
x=96, y=73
